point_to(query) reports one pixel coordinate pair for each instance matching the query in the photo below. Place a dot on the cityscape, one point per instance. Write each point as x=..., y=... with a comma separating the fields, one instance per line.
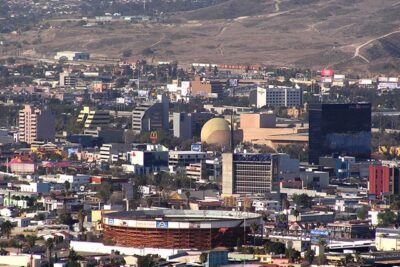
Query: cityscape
x=130, y=137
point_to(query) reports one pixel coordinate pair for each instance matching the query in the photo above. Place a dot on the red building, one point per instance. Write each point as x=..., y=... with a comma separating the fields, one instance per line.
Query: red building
x=383, y=179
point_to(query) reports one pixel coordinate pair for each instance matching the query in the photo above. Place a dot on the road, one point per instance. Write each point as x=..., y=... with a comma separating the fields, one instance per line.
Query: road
x=358, y=48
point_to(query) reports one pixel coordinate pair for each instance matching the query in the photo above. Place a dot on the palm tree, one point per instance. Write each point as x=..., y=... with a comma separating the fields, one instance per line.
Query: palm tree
x=187, y=193
x=49, y=247
x=6, y=228
x=31, y=241
x=67, y=186
x=321, y=256
x=81, y=218
x=296, y=213
x=253, y=229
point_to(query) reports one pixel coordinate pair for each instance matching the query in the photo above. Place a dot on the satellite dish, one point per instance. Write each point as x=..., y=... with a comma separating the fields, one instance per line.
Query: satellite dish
x=82, y=188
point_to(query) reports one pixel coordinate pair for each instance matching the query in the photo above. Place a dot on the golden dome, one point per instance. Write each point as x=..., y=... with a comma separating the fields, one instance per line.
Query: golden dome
x=216, y=131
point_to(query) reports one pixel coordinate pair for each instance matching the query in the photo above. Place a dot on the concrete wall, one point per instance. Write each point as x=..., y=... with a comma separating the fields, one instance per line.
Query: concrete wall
x=93, y=247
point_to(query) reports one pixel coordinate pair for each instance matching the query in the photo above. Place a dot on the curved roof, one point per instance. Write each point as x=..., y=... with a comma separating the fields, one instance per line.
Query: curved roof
x=182, y=215
x=212, y=126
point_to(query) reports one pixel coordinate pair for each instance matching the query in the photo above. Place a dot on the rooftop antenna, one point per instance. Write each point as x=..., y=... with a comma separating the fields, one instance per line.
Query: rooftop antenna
x=144, y=5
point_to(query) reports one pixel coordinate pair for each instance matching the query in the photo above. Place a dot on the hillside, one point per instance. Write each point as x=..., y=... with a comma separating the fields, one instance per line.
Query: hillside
x=347, y=35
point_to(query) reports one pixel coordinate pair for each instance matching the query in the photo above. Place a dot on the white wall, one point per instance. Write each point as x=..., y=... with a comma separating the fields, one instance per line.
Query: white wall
x=93, y=247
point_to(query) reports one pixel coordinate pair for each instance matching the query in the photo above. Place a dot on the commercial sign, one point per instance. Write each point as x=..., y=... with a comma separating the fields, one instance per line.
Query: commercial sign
x=319, y=232
x=196, y=147
x=162, y=225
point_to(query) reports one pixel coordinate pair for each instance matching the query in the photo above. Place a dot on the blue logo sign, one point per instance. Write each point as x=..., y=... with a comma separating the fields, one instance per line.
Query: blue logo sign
x=196, y=147
x=319, y=232
x=162, y=225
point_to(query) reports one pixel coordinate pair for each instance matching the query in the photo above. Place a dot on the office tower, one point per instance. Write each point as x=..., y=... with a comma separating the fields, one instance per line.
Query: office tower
x=383, y=180
x=278, y=97
x=339, y=130
x=93, y=118
x=151, y=115
x=254, y=173
x=188, y=125
x=36, y=125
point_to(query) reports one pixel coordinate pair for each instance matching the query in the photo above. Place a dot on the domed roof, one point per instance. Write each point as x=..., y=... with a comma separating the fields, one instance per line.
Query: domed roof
x=216, y=131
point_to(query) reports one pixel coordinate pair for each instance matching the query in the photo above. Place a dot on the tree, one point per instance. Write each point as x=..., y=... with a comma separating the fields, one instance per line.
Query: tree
x=274, y=247
x=302, y=200
x=296, y=213
x=203, y=257
x=285, y=204
x=81, y=219
x=292, y=254
x=67, y=186
x=31, y=241
x=253, y=229
x=49, y=248
x=239, y=244
x=362, y=213
x=145, y=261
x=321, y=255
x=6, y=229
x=73, y=259
x=104, y=192
x=386, y=218
x=66, y=218
x=309, y=255
x=127, y=53
x=187, y=194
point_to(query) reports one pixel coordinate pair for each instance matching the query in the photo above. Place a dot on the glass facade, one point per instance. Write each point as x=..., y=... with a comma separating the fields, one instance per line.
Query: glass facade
x=339, y=130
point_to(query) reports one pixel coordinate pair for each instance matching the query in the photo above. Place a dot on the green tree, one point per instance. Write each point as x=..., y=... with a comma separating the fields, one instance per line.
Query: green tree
x=203, y=257
x=31, y=241
x=309, y=255
x=66, y=218
x=146, y=261
x=67, y=186
x=285, y=204
x=104, y=192
x=253, y=229
x=362, y=213
x=73, y=259
x=274, y=247
x=292, y=254
x=386, y=218
x=81, y=219
x=302, y=200
x=296, y=213
x=6, y=229
x=49, y=249
x=127, y=53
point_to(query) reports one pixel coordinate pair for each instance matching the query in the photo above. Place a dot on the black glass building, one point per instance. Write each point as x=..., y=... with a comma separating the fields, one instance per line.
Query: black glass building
x=339, y=130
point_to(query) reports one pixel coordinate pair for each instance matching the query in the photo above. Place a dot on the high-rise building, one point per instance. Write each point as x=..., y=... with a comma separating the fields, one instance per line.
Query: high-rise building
x=339, y=130
x=151, y=115
x=254, y=173
x=35, y=125
x=93, y=118
x=188, y=125
x=384, y=180
x=278, y=97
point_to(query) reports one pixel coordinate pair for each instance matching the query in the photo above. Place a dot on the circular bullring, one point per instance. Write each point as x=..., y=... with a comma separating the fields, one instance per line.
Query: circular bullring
x=178, y=229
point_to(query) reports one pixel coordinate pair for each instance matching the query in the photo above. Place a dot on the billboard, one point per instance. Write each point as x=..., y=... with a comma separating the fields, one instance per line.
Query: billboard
x=327, y=73
x=196, y=147
x=320, y=233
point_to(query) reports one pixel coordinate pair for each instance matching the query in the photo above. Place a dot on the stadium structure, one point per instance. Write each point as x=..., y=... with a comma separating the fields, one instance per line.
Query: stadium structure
x=178, y=229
